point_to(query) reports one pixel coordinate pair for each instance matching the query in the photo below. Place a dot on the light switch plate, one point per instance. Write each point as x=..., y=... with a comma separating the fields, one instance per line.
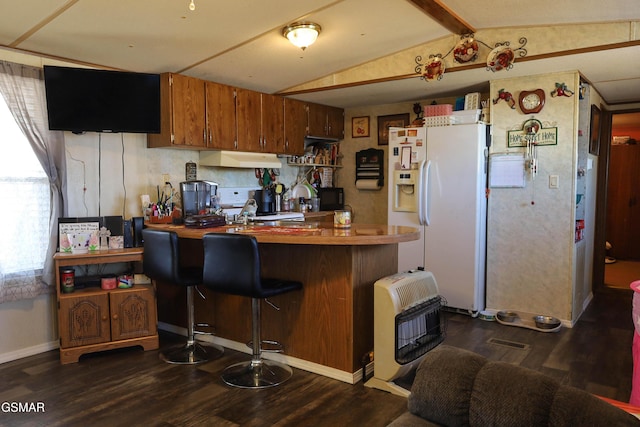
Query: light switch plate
x=553, y=181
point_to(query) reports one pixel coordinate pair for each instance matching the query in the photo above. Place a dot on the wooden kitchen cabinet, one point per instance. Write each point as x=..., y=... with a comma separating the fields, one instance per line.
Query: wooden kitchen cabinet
x=183, y=113
x=221, y=116
x=260, y=121
x=248, y=117
x=199, y=115
x=325, y=121
x=295, y=126
x=272, y=123
x=93, y=319
x=245, y=120
x=335, y=123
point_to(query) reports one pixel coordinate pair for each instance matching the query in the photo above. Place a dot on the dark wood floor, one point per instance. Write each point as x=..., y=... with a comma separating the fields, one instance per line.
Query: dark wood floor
x=132, y=387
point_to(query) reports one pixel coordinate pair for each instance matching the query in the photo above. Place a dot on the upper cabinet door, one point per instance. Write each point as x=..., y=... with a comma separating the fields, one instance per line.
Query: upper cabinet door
x=188, y=101
x=221, y=116
x=317, y=120
x=272, y=123
x=325, y=121
x=335, y=123
x=295, y=126
x=248, y=114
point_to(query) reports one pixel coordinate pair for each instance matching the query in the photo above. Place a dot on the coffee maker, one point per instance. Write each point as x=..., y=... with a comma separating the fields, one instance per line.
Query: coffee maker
x=196, y=197
x=265, y=200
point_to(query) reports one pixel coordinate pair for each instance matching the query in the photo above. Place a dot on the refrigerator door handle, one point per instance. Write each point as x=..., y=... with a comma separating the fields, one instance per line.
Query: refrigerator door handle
x=421, y=192
x=425, y=193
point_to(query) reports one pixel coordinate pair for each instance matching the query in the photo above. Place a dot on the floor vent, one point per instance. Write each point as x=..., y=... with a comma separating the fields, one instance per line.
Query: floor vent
x=510, y=344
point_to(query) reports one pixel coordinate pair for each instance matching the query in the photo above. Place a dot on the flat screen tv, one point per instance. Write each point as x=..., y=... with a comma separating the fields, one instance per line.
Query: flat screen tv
x=88, y=100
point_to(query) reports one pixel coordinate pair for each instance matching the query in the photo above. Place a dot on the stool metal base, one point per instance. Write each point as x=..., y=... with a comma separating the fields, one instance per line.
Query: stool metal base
x=192, y=354
x=256, y=374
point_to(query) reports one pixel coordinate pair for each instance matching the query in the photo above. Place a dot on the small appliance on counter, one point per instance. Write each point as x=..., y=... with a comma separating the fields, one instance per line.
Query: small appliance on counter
x=196, y=197
x=331, y=198
x=266, y=201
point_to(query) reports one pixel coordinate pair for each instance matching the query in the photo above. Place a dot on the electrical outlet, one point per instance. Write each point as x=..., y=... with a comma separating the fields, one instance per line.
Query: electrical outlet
x=165, y=177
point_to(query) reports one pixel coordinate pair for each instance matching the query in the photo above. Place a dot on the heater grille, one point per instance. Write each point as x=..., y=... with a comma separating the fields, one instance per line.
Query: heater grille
x=419, y=329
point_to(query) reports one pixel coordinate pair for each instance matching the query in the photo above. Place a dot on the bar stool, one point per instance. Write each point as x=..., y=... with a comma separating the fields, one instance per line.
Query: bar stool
x=232, y=266
x=161, y=261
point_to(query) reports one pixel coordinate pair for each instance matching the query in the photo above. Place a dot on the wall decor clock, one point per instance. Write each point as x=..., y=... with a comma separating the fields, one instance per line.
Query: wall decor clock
x=531, y=101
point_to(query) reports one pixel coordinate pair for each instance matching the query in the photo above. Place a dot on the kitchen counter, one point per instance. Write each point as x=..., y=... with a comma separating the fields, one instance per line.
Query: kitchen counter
x=307, y=233
x=325, y=328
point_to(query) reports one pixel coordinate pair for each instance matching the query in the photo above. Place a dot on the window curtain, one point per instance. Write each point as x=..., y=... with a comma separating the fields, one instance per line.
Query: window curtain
x=23, y=89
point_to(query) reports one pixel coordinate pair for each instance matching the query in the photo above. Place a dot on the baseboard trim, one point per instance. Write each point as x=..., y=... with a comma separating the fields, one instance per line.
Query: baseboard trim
x=316, y=368
x=29, y=351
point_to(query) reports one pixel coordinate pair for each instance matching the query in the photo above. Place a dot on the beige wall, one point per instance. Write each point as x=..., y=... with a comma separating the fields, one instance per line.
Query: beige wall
x=531, y=249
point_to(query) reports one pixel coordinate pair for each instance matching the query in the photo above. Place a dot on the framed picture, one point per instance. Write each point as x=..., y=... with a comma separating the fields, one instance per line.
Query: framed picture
x=594, y=131
x=385, y=122
x=360, y=127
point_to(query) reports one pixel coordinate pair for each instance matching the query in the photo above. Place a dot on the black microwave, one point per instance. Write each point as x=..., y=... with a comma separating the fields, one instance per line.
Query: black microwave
x=331, y=199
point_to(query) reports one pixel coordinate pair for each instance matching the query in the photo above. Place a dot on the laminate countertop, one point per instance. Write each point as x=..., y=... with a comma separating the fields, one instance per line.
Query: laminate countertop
x=307, y=233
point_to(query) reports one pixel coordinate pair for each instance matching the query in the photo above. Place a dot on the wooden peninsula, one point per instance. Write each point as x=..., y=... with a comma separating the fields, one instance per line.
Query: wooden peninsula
x=325, y=328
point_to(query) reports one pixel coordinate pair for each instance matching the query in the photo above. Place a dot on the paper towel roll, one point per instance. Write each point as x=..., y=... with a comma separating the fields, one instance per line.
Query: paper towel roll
x=367, y=184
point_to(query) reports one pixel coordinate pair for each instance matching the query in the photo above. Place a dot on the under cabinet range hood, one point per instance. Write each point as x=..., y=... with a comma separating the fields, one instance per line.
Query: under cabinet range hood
x=239, y=159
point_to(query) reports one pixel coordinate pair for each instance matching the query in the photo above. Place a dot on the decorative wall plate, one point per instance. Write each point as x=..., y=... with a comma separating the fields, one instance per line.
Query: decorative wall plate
x=466, y=50
x=500, y=58
x=433, y=68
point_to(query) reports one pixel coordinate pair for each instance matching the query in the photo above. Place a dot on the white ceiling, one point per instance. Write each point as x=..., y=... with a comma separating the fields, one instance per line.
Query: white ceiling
x=239, y=42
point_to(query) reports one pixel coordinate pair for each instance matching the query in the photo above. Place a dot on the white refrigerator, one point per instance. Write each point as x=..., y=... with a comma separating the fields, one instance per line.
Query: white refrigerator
x=437, y=182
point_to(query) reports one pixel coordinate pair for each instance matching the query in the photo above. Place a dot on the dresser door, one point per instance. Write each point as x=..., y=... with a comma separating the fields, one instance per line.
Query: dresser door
x=84, y=320
x=133, y=313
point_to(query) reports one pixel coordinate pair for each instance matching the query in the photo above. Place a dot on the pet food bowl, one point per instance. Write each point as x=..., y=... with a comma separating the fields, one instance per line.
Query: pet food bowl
x=488, y=315
x=546, y=322
x=507, y=316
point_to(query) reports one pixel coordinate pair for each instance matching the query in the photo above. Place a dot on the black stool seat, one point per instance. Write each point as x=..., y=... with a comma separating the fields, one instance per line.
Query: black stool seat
x=161, y=261
x=232, y=266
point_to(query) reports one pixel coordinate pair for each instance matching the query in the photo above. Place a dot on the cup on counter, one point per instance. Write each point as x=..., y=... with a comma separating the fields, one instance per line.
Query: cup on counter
x=341, y=219
x=315, y=204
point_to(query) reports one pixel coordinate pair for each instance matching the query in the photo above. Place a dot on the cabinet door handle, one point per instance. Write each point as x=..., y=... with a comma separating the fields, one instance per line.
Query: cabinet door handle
x=115, y=316
x=105, y=318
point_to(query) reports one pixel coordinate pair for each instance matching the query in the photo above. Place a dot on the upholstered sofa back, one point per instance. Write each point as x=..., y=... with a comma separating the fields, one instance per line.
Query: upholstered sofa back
x=455, y=387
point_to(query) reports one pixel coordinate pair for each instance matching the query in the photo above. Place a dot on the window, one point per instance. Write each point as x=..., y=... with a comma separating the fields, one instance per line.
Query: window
x=24, y=214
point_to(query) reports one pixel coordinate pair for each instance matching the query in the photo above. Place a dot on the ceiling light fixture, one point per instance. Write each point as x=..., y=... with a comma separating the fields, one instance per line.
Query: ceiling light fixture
x=192, y=6
x=302, y=34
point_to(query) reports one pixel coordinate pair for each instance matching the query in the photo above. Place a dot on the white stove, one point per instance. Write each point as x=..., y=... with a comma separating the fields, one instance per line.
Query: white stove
x=234, y=197
x=232, y=200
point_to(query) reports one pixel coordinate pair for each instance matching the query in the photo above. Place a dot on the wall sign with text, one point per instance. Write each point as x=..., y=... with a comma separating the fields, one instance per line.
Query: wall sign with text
x=532, y=131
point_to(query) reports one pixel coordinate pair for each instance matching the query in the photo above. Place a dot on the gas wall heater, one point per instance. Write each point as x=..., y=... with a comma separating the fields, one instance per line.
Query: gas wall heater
x=408, y=323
